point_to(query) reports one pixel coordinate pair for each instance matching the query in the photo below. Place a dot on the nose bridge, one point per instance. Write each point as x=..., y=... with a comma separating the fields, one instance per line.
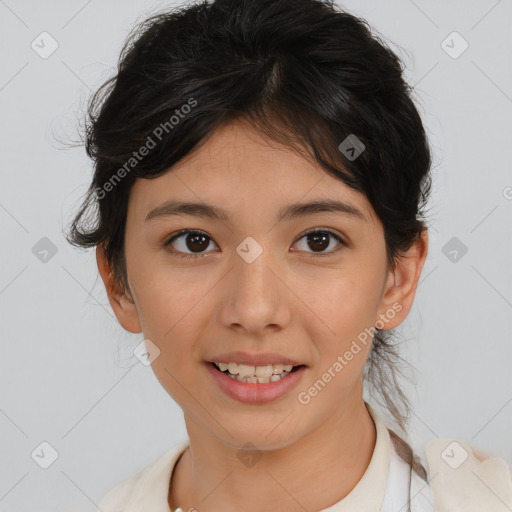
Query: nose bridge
x=255, y=297
x=250, y=266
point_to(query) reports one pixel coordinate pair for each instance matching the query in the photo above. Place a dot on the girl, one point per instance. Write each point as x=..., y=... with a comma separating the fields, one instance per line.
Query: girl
x=260, y=176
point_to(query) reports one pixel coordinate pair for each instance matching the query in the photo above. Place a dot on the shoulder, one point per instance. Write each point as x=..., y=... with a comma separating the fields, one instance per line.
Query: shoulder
x=116, y=499
x=142, y=486
x=463, y=478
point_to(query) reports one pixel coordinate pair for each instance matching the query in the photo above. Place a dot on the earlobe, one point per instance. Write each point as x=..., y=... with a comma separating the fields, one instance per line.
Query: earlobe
x=403, y=281
x=121, y=301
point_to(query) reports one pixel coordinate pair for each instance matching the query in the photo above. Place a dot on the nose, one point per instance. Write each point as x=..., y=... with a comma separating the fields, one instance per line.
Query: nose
x=255, y=297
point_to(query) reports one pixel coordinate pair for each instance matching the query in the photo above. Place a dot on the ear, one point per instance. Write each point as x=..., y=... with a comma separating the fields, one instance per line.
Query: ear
x=401, y=284
x=121, y=301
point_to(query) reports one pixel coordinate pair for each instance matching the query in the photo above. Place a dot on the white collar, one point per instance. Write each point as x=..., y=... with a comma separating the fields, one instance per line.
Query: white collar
x=149, y=490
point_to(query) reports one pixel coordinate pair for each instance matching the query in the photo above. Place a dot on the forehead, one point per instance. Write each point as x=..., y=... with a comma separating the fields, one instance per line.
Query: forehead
x=238, y=166
x=237, y=148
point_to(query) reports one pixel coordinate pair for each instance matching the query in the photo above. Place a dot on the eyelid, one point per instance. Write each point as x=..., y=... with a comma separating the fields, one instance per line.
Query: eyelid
x=341, y=240
x=331, y=231
x=186, y=231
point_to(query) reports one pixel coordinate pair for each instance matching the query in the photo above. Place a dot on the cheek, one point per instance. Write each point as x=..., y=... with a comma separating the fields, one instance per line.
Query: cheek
x=163, y=293
x=346, y=308
x=345, y=305
x=173, y=317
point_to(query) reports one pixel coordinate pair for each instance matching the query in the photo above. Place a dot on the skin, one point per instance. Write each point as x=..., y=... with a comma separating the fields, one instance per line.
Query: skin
x=287, y=301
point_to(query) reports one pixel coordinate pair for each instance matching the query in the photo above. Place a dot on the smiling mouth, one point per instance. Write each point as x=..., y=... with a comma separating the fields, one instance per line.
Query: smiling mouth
x=255, y=374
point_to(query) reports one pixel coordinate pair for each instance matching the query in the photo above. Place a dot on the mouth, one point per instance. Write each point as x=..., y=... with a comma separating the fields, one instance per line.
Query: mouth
x=255, y=374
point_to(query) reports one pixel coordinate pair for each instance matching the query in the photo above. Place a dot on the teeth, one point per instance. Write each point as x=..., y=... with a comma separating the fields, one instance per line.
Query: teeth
x=261, y=380
x=253, y=374
x=264, y=371
x=244, y=370
x=277, y=369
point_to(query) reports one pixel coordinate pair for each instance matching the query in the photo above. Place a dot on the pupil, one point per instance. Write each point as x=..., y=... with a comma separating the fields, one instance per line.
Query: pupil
x=319, y=239
x=193, y=238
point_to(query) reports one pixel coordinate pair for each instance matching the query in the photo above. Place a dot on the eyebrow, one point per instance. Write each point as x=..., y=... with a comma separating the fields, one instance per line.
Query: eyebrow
x=170, y=208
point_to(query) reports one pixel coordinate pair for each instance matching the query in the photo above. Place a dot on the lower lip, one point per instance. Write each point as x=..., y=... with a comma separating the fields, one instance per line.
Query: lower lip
x=255, y=393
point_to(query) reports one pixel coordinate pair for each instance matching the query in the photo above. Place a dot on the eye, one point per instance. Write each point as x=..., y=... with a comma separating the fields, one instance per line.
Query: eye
x=320, y=239
x=189, y=239
x=197, y=242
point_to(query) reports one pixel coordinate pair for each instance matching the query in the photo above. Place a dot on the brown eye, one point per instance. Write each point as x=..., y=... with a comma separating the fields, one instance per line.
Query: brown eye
x=189, y=240
x=319, y=240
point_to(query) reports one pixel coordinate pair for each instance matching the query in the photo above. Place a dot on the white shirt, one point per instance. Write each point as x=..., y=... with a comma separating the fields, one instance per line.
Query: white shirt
x=383, y=487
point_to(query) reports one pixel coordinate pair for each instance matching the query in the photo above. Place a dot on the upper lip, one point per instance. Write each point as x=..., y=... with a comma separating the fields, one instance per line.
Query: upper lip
x=262, y=359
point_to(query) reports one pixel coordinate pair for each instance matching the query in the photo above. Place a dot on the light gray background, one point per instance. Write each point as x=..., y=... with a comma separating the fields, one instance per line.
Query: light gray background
x=68, y=375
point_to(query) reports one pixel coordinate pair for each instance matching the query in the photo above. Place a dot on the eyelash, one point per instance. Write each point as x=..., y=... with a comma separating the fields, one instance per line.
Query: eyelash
x=199, y=255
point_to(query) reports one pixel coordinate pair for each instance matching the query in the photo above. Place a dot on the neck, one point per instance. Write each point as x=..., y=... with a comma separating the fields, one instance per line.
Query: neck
x=331, y=460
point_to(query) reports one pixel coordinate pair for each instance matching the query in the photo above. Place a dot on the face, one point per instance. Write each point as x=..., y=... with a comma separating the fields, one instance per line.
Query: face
x=256, y=280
